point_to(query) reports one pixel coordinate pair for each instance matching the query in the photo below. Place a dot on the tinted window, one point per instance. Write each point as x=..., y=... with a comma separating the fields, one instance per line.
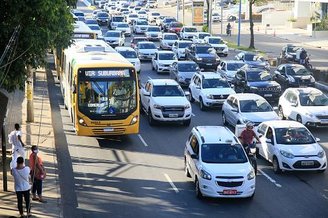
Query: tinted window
x=258, y=76
x=298, y=71
x=292, y=135
x=249, y=57
x=202, y=49
x=176, y=25
x=313, y=99
x=215, y=83
x=190, y=29
x=171, y=37
x=188, y=67
x=167, y=56
x=102, y=15
x=147, y=46
x=215, y=41
x=258, y=105
x=113, y=34
x=128, y=54
x=234, y=66
x=155, y=14
x=163, y=91
x=118, y=19
x=184, y=44
x=153, y=29
x=223, y=153
x=202, y=36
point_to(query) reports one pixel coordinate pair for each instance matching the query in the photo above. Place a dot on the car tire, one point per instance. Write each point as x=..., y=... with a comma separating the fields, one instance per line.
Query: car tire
x=151, y=120
x=201, y=105
x=276, y=167
x=299, y=118
x=198, y=192
x=281, y=113
x=224, y=119
x=152, y=66
x=187, y=122
x=186, y=170
x=191, y=98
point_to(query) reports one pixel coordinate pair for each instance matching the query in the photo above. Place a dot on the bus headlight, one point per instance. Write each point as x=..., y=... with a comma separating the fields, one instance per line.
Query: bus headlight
x=134, y=120
x=81, y=121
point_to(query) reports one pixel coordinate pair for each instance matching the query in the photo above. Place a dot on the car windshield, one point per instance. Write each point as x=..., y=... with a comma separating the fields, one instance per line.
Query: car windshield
x=313, y=99
x=142, y=22
x=91, y=22
x=202, y=36
x=128, y=54
x=187, y=67
x=118, y=19
x=94, y=27
x=298, y=71
x=79, y=14
x=142, y=12
x=155, y=14
x=101, y=14
x=234, y=66
x=250, y=57
x=153, y=29
x=171, y=37
x=184, y=44
x=202, y=49
x=191, y=29
x=147, y=46
x=169, y=20
x=123, y=25
x=168, y=90
x=291, y=49
x=257, y=105
x=258, y=76
x=215, y=41
x=176, y=25
x=223, y=153
x=215, y=83
x=293, y=135
x=113, y=34
x=133, y=15
x=135, y=41
x=167, y=56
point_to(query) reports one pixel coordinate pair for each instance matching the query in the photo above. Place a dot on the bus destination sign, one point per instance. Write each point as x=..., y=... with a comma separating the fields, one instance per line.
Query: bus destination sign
x=107, y=73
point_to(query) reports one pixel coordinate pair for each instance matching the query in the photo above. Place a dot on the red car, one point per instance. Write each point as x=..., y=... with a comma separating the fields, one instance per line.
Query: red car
x=175, y=27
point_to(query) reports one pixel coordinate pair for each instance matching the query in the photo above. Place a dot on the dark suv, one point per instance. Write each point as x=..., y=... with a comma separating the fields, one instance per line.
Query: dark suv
x=204, y=55
x=258, y=81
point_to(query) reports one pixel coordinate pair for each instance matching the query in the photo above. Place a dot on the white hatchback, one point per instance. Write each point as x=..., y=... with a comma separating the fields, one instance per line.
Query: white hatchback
x=131, y=55
x=290, y=146
x=217, y=163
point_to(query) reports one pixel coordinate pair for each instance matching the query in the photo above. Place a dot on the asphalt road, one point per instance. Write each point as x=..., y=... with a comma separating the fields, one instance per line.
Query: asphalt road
x=142, y=175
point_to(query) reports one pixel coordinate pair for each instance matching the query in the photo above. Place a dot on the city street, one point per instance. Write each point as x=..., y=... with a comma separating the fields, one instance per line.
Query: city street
x=143, y=175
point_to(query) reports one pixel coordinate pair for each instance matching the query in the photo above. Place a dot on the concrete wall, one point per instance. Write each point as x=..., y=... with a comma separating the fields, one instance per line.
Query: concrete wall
x=276, y=18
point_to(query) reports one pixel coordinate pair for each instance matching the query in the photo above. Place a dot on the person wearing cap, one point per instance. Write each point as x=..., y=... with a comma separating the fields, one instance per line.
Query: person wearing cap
x=247, y=135
x=37, y=173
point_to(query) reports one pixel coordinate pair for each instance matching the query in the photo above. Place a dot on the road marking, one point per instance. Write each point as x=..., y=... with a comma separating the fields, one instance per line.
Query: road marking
x=149, y=77
x=142, y=140
x=269, y=178
x=171, y=183
x=192, y=114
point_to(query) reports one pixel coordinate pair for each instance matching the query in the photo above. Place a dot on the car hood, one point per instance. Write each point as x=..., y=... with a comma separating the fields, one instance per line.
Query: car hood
x=204, y=55
x=166, y=61
x=219, y=45
x=302, y=77
x=316, y=110
x=231, y=73
x=169, y=41
x=218, y=91
x=171, y=101
x=256, y=63
x=112, y=38
x=133, y=60
x=151, y=51
x=186, y=75
x=259, y=117
x=307, y=149
x=236, y=169
x=263, y=84
x=141, y=26
x=191, y=33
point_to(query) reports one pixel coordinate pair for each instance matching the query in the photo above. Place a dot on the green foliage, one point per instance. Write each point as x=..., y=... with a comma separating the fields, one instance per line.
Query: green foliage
x=205, y=28
x=323, y=25
x=45, y=24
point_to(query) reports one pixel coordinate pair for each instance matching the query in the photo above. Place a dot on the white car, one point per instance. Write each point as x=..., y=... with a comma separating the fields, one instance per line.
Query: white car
x=163, y=60
x=140, y=26
x=146, y=50
x=290, y=146
x=168, y=40
x=188, y=32
x=125, y=28
x=164, y=100
x=153, y=33
x=131, y=17
x=152, y=17
x=179, y=48
x=216, y=17
x=114, y=38
x=142, y=14
x=209, y=89
x=308, y=106
x=131, y=55
x=217, y=43
x=199, y=37
x=217, y=164
x=242, y=108
x=95, y=28
x=228, y=69
x=116, y=20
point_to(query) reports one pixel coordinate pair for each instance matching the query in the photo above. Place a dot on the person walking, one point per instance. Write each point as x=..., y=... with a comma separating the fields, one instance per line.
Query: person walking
x=22, y=186
x=37, y=173
x=17, y=149
x=228, y=29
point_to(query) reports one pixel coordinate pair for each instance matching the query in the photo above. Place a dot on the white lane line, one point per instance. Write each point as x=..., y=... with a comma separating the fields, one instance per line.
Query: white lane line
x=192, y=114
x=149, y=77
x=142, y=140
x=270, y=179
x=171, y=183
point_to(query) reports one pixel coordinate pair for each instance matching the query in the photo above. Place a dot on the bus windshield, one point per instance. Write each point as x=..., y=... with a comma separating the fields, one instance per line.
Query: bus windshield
x=106, y=92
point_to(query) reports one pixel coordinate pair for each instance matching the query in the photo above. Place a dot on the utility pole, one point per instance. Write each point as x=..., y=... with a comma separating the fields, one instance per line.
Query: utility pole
x=221, y=6
x=178, y=5
x=239, y=21
x=183, y=12
x=29, y=95
x=4, y=159
x=210, y=16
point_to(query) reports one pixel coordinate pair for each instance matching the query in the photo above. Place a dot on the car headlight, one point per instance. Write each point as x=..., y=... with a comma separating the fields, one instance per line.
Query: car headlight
x=251, y=175
x=309, y=115
x=286, y=154
x=291, y=79
x=217, y=59
x=134, y=120
x=312, y=79
x=187, y=106
x=205, y=175
x=161, y=65
x=253, y=88
x=321, y=154
x=209, y=96
x=157, y=106
x=199, y=59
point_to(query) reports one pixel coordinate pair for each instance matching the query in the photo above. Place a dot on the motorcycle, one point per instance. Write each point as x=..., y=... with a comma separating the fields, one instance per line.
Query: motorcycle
x=251, y=153
x=307, y=64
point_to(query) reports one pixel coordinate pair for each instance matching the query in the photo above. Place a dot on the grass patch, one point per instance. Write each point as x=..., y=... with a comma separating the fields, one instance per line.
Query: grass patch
x=235, y=46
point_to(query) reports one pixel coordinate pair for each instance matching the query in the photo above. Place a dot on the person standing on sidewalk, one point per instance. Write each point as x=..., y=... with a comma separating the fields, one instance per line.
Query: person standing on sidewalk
x=17, y=150
x=37, y=173
x=22, y=185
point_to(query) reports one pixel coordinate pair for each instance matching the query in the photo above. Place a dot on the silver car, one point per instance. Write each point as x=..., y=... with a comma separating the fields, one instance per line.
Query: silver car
x=247, y=107
x=182, y=71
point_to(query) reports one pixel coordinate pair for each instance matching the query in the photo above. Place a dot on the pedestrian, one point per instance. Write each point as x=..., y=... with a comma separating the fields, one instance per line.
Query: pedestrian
x=22, y=185
x=228, y=30
x=37, y=173
x=17, y=145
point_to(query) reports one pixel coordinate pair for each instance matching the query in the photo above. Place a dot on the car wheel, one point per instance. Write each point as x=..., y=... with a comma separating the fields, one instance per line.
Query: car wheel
x=186, y=170
x=191, y=99
x=276, y=167
x=224, y=119
x=151, y=120
x=187, y=122
x=281, y=113
x=152, y=66
x=201, y=105
x=198, y=192
x=299, y=118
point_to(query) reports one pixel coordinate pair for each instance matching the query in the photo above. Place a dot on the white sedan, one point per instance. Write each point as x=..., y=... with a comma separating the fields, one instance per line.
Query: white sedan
x=125, y=28
x=290, y=146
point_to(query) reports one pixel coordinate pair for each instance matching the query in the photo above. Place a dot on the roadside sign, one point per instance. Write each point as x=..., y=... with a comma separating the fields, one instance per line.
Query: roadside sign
x=198, y=13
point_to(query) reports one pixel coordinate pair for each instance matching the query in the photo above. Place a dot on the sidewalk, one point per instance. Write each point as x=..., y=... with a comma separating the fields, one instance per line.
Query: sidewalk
x=34, y=134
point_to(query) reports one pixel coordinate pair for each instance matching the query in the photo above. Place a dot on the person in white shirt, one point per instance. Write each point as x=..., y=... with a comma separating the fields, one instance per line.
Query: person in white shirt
x=15, y=139
x=21, y=175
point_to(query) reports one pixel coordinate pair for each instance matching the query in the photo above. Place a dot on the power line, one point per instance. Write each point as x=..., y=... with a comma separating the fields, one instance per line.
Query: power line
x=16, y=57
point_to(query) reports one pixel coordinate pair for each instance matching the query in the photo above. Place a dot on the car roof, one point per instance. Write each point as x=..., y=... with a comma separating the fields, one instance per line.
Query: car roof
x=305, y=90
x=216, y=134
x=164, y=34
x=113, y=31
x=246, y=96
x=169, y=82
x=146, y=42
x=165, y=52
x=233, y=61
x=283, y=123
x=124, y=48
x=186, y=62
x=209, y=75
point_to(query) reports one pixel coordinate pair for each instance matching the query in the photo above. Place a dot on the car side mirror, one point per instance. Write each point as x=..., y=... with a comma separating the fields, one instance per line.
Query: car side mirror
x=317, y=139
x=187, y=93
x=194, y=156
x=234, y=110
x=269, y=141
x=294, y=104
x=197, y=87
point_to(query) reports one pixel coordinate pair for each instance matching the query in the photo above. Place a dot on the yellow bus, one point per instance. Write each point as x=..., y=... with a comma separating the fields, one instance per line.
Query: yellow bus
x=100, y=89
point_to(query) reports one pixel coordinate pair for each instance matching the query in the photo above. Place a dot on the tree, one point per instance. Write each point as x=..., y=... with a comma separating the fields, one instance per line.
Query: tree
x=251, y=24
x=45, y=24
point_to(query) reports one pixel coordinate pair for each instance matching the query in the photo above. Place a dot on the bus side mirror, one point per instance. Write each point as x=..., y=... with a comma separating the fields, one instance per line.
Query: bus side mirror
x=74, y=89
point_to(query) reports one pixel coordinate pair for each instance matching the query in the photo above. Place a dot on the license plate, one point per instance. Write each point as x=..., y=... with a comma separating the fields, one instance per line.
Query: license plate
x=307, y=163
x=108, y=129
x=229, y=192
x=208, y=64
x=267, y=95
x=173, y=115
x=324, y=121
